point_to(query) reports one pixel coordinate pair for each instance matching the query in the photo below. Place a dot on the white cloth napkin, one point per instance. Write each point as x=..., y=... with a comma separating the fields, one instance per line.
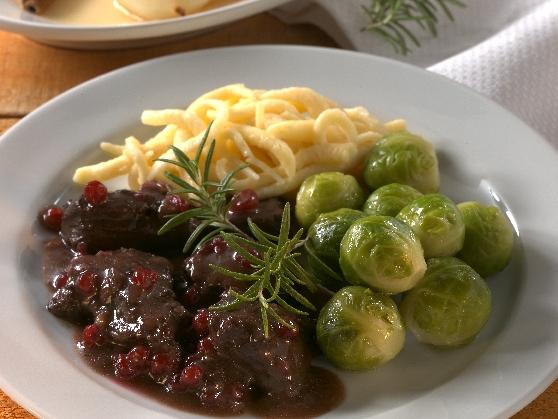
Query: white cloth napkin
x=505, y=49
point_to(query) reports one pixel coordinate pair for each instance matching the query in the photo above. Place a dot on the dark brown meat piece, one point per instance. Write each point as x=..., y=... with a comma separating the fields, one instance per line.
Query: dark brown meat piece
x=238, y=363
x=267, y=215
x=127, y=294
x=126, y=219
x=279, y=362
x=203, y=285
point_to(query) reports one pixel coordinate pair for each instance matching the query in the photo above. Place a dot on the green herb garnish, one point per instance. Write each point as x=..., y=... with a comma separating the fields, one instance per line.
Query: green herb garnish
x=277, y=270
x=209, y=198
x=390, y=18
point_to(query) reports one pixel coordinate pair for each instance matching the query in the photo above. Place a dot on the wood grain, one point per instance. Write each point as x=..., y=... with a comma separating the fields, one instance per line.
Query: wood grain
x=6, y=123
x=31, y=74
x=10, y=410
x=543, y=407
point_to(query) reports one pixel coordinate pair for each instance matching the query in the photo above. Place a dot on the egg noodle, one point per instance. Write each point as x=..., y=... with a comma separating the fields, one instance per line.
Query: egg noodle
x=283, y=136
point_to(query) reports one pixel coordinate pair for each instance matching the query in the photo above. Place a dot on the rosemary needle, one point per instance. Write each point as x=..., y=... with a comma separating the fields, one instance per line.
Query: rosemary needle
x=277, y=276
x=389, y=19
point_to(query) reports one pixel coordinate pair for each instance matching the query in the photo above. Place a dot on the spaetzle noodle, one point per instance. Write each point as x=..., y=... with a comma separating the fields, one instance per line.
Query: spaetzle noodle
x=283, y=135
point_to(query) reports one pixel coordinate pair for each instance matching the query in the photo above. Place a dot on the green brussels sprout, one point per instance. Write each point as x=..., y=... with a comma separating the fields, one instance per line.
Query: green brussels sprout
x=326, y=192
x=360, y=329
x=449, y=306
x=403, y=158
x=488, y=238
x=390, y=199
x=324, y=240
x=437, y=222
x=383, y=253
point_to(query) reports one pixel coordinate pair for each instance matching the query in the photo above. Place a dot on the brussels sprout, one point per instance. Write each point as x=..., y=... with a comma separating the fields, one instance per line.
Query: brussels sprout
x=488, y=238
x=383, y=253
x=324, y=240
x=437, y=222
x=403, y=158
x=390, y=199
x=449, y=306
x=326, y=192
x=359, y=329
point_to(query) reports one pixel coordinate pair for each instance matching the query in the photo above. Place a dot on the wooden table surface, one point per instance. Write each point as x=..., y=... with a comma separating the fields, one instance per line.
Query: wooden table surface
x=31, y=74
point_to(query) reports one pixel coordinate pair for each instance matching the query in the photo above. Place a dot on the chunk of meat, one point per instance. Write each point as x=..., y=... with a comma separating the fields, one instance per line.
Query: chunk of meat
x=235, y=362
x=266, y=214
x=125, y=219
x=203, y=285
x=127, y=294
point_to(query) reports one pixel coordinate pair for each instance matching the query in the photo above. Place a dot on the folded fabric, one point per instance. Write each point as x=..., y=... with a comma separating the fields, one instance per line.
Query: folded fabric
x=505, y=49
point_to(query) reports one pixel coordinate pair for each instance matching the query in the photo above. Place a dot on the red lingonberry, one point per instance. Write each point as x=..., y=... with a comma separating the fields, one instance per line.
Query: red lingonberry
x=244, y=201
x=245, y=263
x=138, y=357
x=160, y=365
x=95, y=192
x=92, y=336
x=205, y=345
x=52, y=218
x=242, y=261
x=200, y=323
x=191, y=375
x=123, y=368
x=205, y=249
x=86, y=282
x=60, y=281
x=173, y=204
x=219, y=245
x=144, y=278
x=254, y=252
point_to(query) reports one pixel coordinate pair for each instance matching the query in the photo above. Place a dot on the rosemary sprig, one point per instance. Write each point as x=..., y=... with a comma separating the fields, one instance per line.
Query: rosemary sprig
x=277, y=272
x=390, y=18
x=208, y=198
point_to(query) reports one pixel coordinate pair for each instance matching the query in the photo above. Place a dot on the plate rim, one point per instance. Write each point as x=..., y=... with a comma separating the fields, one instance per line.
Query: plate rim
x=12, y=132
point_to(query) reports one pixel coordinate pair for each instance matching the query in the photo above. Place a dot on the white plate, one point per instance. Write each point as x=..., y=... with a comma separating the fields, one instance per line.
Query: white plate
x=13, y=19
x=482, y=149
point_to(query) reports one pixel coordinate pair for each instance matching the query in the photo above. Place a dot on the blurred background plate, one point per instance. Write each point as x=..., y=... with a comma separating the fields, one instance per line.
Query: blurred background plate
x=13, y=19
